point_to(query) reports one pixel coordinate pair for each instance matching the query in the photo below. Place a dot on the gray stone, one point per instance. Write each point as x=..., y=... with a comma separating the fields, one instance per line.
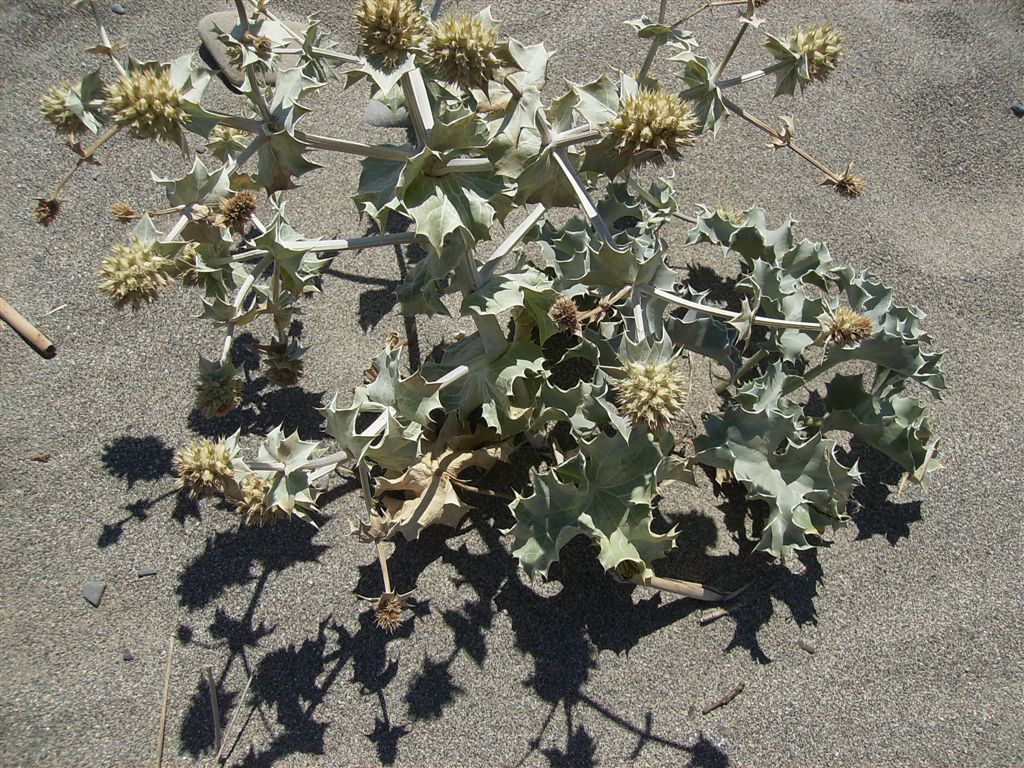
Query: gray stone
x=212, y=26
x=380, y=116
x=127, y=655
x=200, y=149
x=118, y=8
x=1017, y=108
x=143, y=572
x=93, y=592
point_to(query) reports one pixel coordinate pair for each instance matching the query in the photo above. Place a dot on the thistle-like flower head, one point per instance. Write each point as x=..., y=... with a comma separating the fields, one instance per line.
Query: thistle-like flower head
x=461, y=50
x=654, y=123
x=388, y=611
x=284, y=363
x=821, y=44
x=218, y=391
x=146, y=103
x=54, y=109
x=132, y=274
x=849, y=184
x=848, y=327
x=253, y=506
x=46, y=210
x=389, y=29
x=236, y=211
x=225, y=141
x=566, y=315
x=122, y=212
x=203, y=466
x=651, y=392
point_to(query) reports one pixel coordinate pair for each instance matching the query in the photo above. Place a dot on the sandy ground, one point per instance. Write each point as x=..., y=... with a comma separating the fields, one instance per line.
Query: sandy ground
x=915, y=612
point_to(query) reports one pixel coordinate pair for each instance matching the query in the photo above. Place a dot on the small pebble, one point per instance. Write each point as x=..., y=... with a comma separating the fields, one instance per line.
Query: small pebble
x=127, y=655
x=143, y=572
x=40, y=456
x=1017, y=108
x=117, y=8
x=806, y=646
x=93, y=592
x=200, y=149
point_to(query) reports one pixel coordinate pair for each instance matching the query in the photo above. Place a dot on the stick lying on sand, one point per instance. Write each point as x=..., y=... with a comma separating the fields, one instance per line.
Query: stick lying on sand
x=27, y=331
x=725, y=699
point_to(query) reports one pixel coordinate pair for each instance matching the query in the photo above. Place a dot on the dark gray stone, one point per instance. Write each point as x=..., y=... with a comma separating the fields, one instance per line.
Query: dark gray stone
x=212, y=26
x=93, y=592
x=143, y=572
x=118, y=8
x=127, y=655
x=1017, y=108
x=200, y=149
x=380, y=116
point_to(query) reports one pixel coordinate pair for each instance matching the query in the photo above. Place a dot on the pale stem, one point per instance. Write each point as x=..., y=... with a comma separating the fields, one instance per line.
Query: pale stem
x=577, y=135
x=229, y=339
x=383, y=566
x=352, y=243
x=174, y=231
x=638, y=316
x=353, y=147
x=331, y=460
x=729, y=54
x=418, y=105
x=725, y=314
x=809, y=375
x=104, y=40
x=737, y=110
x=751, y=361
x=586, y=203
x=250, y=74
x=653, y=49
x=510, y=242
x=453, y=375
x=239, y=123
x=732, y=82
x=88, y=152
x=465, y=165
x=326, y=53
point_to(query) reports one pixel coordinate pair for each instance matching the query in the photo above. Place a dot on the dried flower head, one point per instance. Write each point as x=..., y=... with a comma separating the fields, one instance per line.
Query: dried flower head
x=389, y=29
x=821, y=44
x=46, y=210
x=461, y=49
x=651, y=393
x=123, y=212
x=253, y=506
x=388, y=612
x=654, y=123
x=146, y=102
x=566, y=315
x=284, y=363
x=236, y=212
x=54, y=109
x=185, y=264
x=849, y=184
x=202, y=466
x=849, y=327
x=225, y=141
x=132, y=274
x=730, y=214
x=218, y=391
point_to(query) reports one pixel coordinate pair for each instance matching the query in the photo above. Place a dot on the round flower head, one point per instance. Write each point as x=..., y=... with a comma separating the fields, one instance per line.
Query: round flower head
x=460, y=50
x=388, y=29
x=123, y=212
x=849, y=184
x=225, y=141
x=566, y=315
x=651, y=393
x=46, y=210
x=55, y=111
x=821, y=45
x=388, y=612
x=235, y=212
x=654, y=123
x=253, y=506
x=218, y=392
x=132, y=274
x=146, y=103
x=284, y=363
x=203, y=466
x=849, y=327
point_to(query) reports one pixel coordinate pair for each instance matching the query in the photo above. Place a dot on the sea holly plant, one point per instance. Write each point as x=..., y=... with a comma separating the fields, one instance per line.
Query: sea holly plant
x=544, y=221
